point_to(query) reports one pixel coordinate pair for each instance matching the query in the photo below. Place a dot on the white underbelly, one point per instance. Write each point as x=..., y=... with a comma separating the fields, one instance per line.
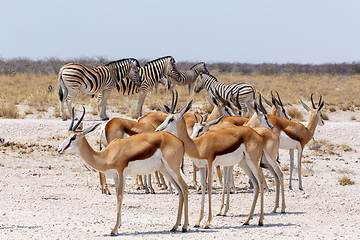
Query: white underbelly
x=200, y=163
x=287, y=143
x=232, y=158
x=145, y=166
x=229, y=159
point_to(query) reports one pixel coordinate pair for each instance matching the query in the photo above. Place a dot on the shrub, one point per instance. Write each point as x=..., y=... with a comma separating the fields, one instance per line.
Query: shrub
x=345, y=181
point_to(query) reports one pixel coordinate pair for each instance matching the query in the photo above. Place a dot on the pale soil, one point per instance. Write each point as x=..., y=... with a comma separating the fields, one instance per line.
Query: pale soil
x=48, y=196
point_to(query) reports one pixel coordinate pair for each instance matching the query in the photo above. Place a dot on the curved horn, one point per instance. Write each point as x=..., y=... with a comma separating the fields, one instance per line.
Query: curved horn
x=78, y=123
x=260, y=105
x=72, y=119
x=312, y=101
x=196, y=120
x=320, y=100
x=201, y=119
x=279, y=98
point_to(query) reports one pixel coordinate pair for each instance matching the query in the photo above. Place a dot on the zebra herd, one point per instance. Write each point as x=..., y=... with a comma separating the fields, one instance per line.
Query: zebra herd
x=127, y=77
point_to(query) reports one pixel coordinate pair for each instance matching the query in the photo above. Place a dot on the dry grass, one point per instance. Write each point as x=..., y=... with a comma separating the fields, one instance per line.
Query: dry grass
x=9, y=110
x=324, y=147
x=343, y=181
x=295, y=114
x=32, y=90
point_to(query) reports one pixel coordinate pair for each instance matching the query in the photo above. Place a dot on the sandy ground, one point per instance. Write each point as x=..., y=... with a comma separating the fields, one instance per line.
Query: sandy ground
x=48, y=196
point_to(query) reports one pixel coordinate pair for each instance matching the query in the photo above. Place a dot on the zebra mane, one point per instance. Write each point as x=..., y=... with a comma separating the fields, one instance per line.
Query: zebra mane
x=208, y=76
x=196, y=65
x=157, y=60
x=115, y=63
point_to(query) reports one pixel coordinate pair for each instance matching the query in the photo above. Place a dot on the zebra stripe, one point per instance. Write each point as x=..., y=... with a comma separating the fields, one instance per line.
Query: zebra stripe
x=241, y=90
x=151, y=73
x=74, y=77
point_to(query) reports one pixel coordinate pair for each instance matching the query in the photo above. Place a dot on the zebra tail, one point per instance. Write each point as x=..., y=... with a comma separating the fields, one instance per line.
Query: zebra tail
x=61, y=92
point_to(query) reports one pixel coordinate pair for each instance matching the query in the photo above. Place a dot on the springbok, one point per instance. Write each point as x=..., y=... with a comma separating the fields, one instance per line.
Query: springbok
x=271, y=148
x=138, y=154
x=225, y=147
x=119, y=128
x=295, y=135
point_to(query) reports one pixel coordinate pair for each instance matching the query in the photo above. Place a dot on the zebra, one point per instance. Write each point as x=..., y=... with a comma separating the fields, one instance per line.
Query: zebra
x=241, y=91
x=188, y=77
x=74, y=77
x=151, y=73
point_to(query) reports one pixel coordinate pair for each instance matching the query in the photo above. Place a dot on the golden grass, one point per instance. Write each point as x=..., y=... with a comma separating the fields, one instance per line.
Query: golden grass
x=8, y=110
x=32, y=90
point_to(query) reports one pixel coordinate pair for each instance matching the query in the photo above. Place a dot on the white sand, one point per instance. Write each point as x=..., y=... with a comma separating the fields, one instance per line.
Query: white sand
x=48, y=196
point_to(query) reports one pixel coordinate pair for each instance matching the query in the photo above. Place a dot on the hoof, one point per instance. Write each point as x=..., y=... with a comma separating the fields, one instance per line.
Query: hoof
x=301, y=189
x=104, y=119
x=245, y=224
x=113, y=234
x=173, y=230
x=261, y=224
x=64, y=119
x=206, y=227
x=218, y=214
x=196, y=226
x=184, y=230
x=290, y=188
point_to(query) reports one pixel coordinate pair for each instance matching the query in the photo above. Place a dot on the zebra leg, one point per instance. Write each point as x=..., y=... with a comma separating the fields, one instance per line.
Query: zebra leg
x=105, y=96
x=69, y=99
x=191, y=86
x=142, y=96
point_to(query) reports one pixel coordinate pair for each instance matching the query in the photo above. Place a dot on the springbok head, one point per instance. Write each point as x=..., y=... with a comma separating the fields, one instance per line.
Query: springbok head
x=75, y=133
x=316, y=110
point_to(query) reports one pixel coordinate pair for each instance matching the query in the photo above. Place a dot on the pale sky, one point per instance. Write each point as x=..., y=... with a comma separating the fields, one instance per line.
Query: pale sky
x=306, y=31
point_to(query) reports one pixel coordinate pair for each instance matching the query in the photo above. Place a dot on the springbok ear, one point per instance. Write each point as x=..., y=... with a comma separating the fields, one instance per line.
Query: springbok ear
x=164, y=108
x=185, y=108
x=216, y=121
x=305, y=106
x=90, y=129
x=268, y=102
x=209, y=100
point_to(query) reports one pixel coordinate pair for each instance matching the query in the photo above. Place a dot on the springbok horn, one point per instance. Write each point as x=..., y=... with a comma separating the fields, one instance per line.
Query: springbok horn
x=280, y=102
x=312, y=101
x=196, y=120
x=82, y=117
x=273, y=97
x=72, y=119
x=320, y=100
x=261, y=106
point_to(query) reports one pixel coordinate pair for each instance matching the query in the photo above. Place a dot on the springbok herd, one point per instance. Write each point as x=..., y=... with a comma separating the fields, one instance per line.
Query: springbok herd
x=159, y=141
